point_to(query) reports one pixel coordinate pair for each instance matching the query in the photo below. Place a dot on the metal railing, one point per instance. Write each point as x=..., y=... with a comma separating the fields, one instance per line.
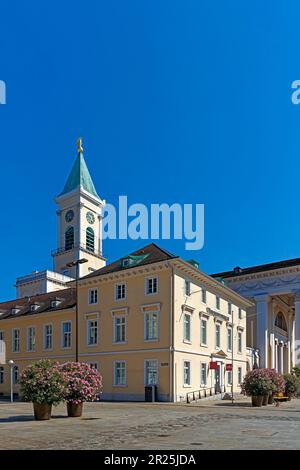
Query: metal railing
x=204, y=393
x=81, y=246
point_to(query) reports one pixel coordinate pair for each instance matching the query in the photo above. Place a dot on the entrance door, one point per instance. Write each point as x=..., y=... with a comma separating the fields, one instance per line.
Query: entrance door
x=217, y=379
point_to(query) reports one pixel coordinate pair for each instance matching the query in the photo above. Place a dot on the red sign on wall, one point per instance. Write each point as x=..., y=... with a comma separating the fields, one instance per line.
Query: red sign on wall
x=228, y=367
x=213, y=365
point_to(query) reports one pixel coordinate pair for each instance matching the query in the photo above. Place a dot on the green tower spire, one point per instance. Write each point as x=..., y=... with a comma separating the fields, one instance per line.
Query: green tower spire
x=80, y=176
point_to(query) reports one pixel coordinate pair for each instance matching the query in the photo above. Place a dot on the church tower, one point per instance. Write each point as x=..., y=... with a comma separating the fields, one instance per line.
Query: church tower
x=79, y=222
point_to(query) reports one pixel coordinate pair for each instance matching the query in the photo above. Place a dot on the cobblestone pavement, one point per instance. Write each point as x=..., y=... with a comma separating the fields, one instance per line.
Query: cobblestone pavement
x=157, y=426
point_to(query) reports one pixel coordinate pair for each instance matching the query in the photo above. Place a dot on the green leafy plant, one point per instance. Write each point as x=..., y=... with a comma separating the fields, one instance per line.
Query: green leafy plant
x=296, y=371
x=292, y=384
x=43, y=382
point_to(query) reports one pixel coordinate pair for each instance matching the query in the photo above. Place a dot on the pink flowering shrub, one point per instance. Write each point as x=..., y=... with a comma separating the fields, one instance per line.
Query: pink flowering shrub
x=83, y=382
x=43, y=382
x=263, y=381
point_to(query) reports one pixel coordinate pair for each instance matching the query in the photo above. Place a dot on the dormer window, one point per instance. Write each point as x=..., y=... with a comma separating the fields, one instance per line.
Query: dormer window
x=126, y=262
x=34, y=307
x=15, y=310
x=55, y=303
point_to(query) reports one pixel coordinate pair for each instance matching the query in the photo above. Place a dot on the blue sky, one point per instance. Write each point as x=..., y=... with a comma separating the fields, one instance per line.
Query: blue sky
x=177, y=101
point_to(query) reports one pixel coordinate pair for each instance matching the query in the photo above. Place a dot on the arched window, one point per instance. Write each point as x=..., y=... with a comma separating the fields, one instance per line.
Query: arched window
x=280, y=321
x=69, y=238
x=90, y=239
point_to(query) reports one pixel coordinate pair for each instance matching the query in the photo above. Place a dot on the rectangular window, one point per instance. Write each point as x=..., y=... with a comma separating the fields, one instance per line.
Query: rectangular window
x=66, y=334
x=203, y=295
x=240, y=375
x=31, y=339
x=151, y=326
x=92, y=330
x=203, y=372
x=187, y=287
x=151, y=285
x=15, y=374
x=186, y=373
x=218, y=335
x=240, y=342
x=217, y=302
x=120, y=329
x=120, y=373
x=229, y=339
x=240, y=313
x=229, y=308
x=2, y=342
x=229, y=377
x=16, y=341
x=94, y=365
x=1, y=375
x=151, y=372
x=203, y=333
x=48, y=337
x=187, y=327
x=93, y=296
x=120, y=291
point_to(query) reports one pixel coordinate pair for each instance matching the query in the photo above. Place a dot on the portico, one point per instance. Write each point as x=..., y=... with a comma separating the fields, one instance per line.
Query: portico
x=273, y=325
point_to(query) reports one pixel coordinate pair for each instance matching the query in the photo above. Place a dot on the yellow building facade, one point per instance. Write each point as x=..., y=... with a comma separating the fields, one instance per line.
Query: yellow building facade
x=149, y=319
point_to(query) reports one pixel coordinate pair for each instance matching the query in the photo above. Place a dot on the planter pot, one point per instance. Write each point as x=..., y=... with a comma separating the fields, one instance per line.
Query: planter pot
x=42, y=411
x=74, y=409
x=257, y=400
x=265, y=400
x=271, y=399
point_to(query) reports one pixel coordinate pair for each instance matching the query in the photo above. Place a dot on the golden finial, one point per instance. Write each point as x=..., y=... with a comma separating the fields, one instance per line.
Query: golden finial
x=79, y=145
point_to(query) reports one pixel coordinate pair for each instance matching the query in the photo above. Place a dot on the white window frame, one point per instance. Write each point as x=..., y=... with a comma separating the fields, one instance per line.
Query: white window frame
x=33, y=329
x=240, y=375
x=202, y=343
x=147, y=280
x=95, y=289
x=15, y=368
x=95, y=363
x=205, y=366
x=185, y=384
x=229, y=347
x=118, y=317
x=88, y=322
x=229, y=374
x=62, y=334
x=188, y=315
x=116, y=291
x=45, y=337
x=239, y=335
x=16, y=351
x=187, y=288
x=146, y=313
x=146, y=361
x=218, y=326
x=114, y=372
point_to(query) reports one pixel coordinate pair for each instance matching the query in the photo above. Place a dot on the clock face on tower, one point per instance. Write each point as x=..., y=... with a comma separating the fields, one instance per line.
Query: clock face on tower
x=69, y=216
x=90, y=217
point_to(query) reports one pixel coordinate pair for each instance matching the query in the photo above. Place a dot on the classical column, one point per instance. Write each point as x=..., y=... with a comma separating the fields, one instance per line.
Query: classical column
x=272, y=336
x=262, y=328
x=297, y=329
x=290, y=341
x=276, y=354
x=281, y=357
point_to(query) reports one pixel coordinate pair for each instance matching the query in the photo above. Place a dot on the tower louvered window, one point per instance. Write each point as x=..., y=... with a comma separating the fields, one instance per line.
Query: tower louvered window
x=69, y=238
x=90, y=239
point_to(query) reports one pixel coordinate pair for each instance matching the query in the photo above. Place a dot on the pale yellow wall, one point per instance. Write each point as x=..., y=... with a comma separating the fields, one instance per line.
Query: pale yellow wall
x=195, y=352
x=25, y=357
